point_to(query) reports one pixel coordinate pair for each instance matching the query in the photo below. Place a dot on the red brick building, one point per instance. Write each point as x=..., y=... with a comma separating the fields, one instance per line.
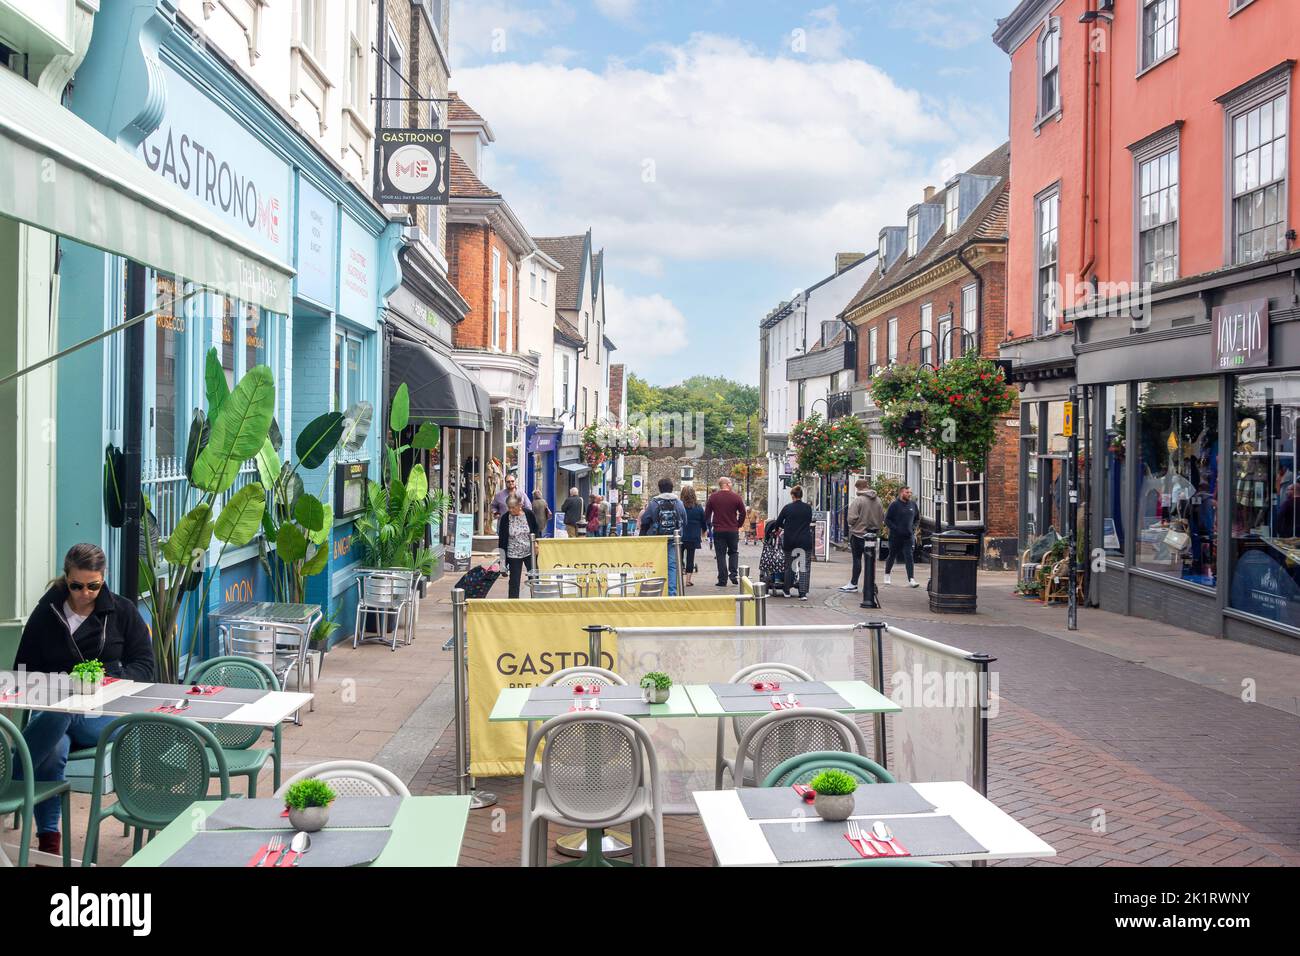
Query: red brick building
x=938, y=290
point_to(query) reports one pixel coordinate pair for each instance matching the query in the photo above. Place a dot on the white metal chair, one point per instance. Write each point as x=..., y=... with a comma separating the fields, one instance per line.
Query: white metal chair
x=782, y=734
x=388, y=595
x=556, y=583
x=764, y=671
x=280, y=647
x=598, y=770
x=352, y=778
x=638, y=587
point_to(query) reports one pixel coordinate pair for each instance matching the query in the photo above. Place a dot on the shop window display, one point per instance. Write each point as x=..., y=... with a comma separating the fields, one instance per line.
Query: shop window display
x=1178, y=472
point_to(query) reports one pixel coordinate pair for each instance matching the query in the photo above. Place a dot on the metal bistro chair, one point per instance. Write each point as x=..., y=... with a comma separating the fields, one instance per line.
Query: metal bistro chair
x=242, y=758
x=754, y=672
x=351, y=778
x=417, y=582
x=387, y=595
x=593, y=775
x=801, y=768
x=278, y=647
x=21, y=796
x=776, y=737
x=161, y=764
x=556, y=583
x=644, y=587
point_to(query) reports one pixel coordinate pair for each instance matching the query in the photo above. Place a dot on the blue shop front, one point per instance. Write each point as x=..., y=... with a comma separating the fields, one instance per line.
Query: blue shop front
x=191, y=121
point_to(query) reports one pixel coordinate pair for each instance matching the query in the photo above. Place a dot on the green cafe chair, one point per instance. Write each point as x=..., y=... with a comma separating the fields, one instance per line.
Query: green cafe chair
x=242, y=758
x=160, y=765
x=890, y=861
x=803, y=767
x=21, y=796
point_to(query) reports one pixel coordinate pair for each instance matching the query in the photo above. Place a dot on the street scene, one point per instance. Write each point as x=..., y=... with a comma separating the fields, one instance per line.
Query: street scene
x=609, y=434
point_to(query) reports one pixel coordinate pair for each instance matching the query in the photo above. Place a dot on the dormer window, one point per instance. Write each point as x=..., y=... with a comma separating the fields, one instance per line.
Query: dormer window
x=952, y=207
x=913, y=233
x=884, y=251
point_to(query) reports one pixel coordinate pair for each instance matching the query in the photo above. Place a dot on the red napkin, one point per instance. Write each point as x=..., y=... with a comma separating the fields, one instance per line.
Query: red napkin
x=807, y=793
x=110, y=680
x=205, y=690
x=579, y=689
x=785, y=705
x=882, y=848
x=165, y=709
x=11, y=694
x=284, y=812
x=286, y=859
x=256, y=859
x=767, y=685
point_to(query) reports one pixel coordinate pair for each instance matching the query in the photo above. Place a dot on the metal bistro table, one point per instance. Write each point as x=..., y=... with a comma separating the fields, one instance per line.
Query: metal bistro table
x=860, y=696
x=302, y=618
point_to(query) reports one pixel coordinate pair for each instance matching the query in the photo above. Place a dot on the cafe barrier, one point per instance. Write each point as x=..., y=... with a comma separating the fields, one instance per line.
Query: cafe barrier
x=602, y=556
x=521, y=643
x=754, y=610
x=687, y=749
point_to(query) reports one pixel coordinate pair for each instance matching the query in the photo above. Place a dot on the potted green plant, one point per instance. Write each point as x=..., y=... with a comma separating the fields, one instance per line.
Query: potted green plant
x=655, y=687
x=834, y=789
x=309, y=804
x=87, y=677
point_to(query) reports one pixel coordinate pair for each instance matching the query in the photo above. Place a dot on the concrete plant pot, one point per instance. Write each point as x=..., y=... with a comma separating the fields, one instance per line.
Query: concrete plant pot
x=309, y=819
x=655, y=695
x=834, y=808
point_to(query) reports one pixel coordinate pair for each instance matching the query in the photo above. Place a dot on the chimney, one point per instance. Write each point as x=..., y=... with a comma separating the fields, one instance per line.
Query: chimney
x=929, y=192
x=845, y=259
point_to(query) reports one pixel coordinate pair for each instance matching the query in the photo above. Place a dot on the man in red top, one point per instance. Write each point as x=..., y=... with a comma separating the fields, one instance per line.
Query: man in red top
x=725, y=513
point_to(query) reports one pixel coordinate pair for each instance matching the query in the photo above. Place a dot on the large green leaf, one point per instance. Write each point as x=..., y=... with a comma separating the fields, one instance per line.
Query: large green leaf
x=417, y=485
x=212, y=473
x=242, y=515
x=427, y=436
x=291, y=545
x=268, y=527
x=356, y=426
x=327, y=525
x=192, y=536
x=318, y=439
x=200, y=430
x=399, y=415
x=245, y=420
x=268, y=464
x=316, y=563
x=309, y=512
x=215, y=384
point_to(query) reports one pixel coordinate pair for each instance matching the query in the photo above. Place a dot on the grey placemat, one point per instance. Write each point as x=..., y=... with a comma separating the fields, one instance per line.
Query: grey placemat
x=566, y=693
x=227, y=695
x=815, y=840
x=264, y=814
x=553, y=708
x=779, y=803
x=798, y=688
x=329, y=848
x=198, y=709
x=762, y=702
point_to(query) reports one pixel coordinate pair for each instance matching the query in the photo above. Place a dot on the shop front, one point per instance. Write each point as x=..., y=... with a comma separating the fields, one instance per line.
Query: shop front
x=543, y=442
x=1196, y=508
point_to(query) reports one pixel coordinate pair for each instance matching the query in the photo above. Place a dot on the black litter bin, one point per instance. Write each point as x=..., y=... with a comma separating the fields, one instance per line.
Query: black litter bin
x=870, y=593
x=954, y=563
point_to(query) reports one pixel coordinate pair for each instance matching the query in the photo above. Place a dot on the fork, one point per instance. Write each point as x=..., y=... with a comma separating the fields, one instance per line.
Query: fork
x=858, y=837
x=272, y=850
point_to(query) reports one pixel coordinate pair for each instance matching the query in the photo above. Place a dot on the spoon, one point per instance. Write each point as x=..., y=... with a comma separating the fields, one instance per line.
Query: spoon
x=300, y=845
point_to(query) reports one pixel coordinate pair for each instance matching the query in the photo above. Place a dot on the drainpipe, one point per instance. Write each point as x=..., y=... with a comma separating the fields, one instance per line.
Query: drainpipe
x=979, y=349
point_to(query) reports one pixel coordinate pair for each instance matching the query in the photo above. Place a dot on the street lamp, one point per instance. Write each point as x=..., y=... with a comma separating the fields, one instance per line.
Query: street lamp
x=749, y=448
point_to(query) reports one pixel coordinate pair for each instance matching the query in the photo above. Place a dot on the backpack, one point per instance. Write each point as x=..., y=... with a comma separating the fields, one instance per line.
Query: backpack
x=666, y=521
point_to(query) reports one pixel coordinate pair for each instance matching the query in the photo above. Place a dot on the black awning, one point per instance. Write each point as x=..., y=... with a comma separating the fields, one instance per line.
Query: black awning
x=441, y=391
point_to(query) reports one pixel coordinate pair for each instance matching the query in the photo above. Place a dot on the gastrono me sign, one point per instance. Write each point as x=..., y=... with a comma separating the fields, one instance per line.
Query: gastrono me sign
x=1240, y=335
x=413, y=166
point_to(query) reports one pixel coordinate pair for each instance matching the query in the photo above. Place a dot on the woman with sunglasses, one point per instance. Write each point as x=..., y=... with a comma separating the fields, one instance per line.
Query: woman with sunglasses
x=77, y=620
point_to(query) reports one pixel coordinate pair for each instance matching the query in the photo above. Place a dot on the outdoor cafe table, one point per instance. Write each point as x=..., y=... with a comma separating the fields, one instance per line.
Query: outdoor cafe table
x=427, y=831
x=739, y=841
x=860, y=696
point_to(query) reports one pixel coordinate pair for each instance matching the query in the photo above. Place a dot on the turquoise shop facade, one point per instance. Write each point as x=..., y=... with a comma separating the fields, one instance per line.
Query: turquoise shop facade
x=186, y=113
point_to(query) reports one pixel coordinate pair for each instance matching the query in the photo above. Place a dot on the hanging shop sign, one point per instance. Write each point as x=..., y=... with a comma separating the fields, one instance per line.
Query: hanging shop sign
x=1239, y=334
x=413, y=166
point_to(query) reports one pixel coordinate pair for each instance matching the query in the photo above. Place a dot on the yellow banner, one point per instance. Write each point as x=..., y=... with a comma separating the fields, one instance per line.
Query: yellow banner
x=750, y=608
x=521, y=643
x=602, y=556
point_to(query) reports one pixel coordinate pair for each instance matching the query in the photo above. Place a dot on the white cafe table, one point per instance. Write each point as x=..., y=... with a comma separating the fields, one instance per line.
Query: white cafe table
x=738, y=841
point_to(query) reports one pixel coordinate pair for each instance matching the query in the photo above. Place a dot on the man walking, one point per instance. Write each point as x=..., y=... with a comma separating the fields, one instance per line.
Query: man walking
x=866, y=516
x=573, y=513
x=725, y=513
x=499, y=499
x=902, y=519
x=665, y=515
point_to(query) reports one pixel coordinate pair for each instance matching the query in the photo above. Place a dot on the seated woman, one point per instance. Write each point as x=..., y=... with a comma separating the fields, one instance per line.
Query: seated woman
x=77, y=620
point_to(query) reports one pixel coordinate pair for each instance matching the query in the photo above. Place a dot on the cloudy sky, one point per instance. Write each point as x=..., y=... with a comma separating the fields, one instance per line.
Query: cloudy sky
x=724, y=150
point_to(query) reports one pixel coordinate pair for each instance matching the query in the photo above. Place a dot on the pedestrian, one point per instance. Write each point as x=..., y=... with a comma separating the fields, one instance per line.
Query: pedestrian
x=572, y=510
x=78, y=619
x=665, y=515
x=618, y=517
x=593, y=517
x=499, y=499
x=902, y=519
x=542, y=514
x=603, y=517
x=795, y=522
x=726, y=513
x=693, y=533
x=515, y=532
x=866, y=516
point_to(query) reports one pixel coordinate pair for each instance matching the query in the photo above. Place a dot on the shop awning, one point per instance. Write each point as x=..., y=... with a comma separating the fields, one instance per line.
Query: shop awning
x=441, y=391
x=575, y=468
x=65, y=177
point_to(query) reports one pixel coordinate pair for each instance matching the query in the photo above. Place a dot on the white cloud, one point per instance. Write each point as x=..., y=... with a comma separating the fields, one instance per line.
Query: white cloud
x=488, y=29
x=823, y=37
x=947, y=24
x=622, y=10
x=643, y=326
x=718, y=152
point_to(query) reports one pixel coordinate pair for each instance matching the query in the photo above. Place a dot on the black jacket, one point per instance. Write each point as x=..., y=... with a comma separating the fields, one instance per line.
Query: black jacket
x=902, y=518
x=503, y=527
x=114, y=634
x=796, y=524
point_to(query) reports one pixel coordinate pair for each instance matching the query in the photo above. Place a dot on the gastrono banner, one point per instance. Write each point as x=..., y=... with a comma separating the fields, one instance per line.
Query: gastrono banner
x=602, y=556
x=413, y=166
x=521, y=643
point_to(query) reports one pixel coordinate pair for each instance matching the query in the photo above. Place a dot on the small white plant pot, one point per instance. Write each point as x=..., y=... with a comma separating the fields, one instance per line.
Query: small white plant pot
x=655, y=695
x=81, y=685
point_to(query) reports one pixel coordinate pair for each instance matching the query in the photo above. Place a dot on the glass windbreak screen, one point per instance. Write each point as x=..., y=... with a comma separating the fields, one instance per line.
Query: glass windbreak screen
x=169, y=363
x=1265, y=497
x=1115, y=418
x=1178, y=462
x=255, y=329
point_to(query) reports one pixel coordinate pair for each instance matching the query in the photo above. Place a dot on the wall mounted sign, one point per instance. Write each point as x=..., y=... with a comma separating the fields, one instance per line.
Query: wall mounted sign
x=350, y=487
x=413, y=166
x=1239, y=334
x=317, y=241
x=358, y=265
